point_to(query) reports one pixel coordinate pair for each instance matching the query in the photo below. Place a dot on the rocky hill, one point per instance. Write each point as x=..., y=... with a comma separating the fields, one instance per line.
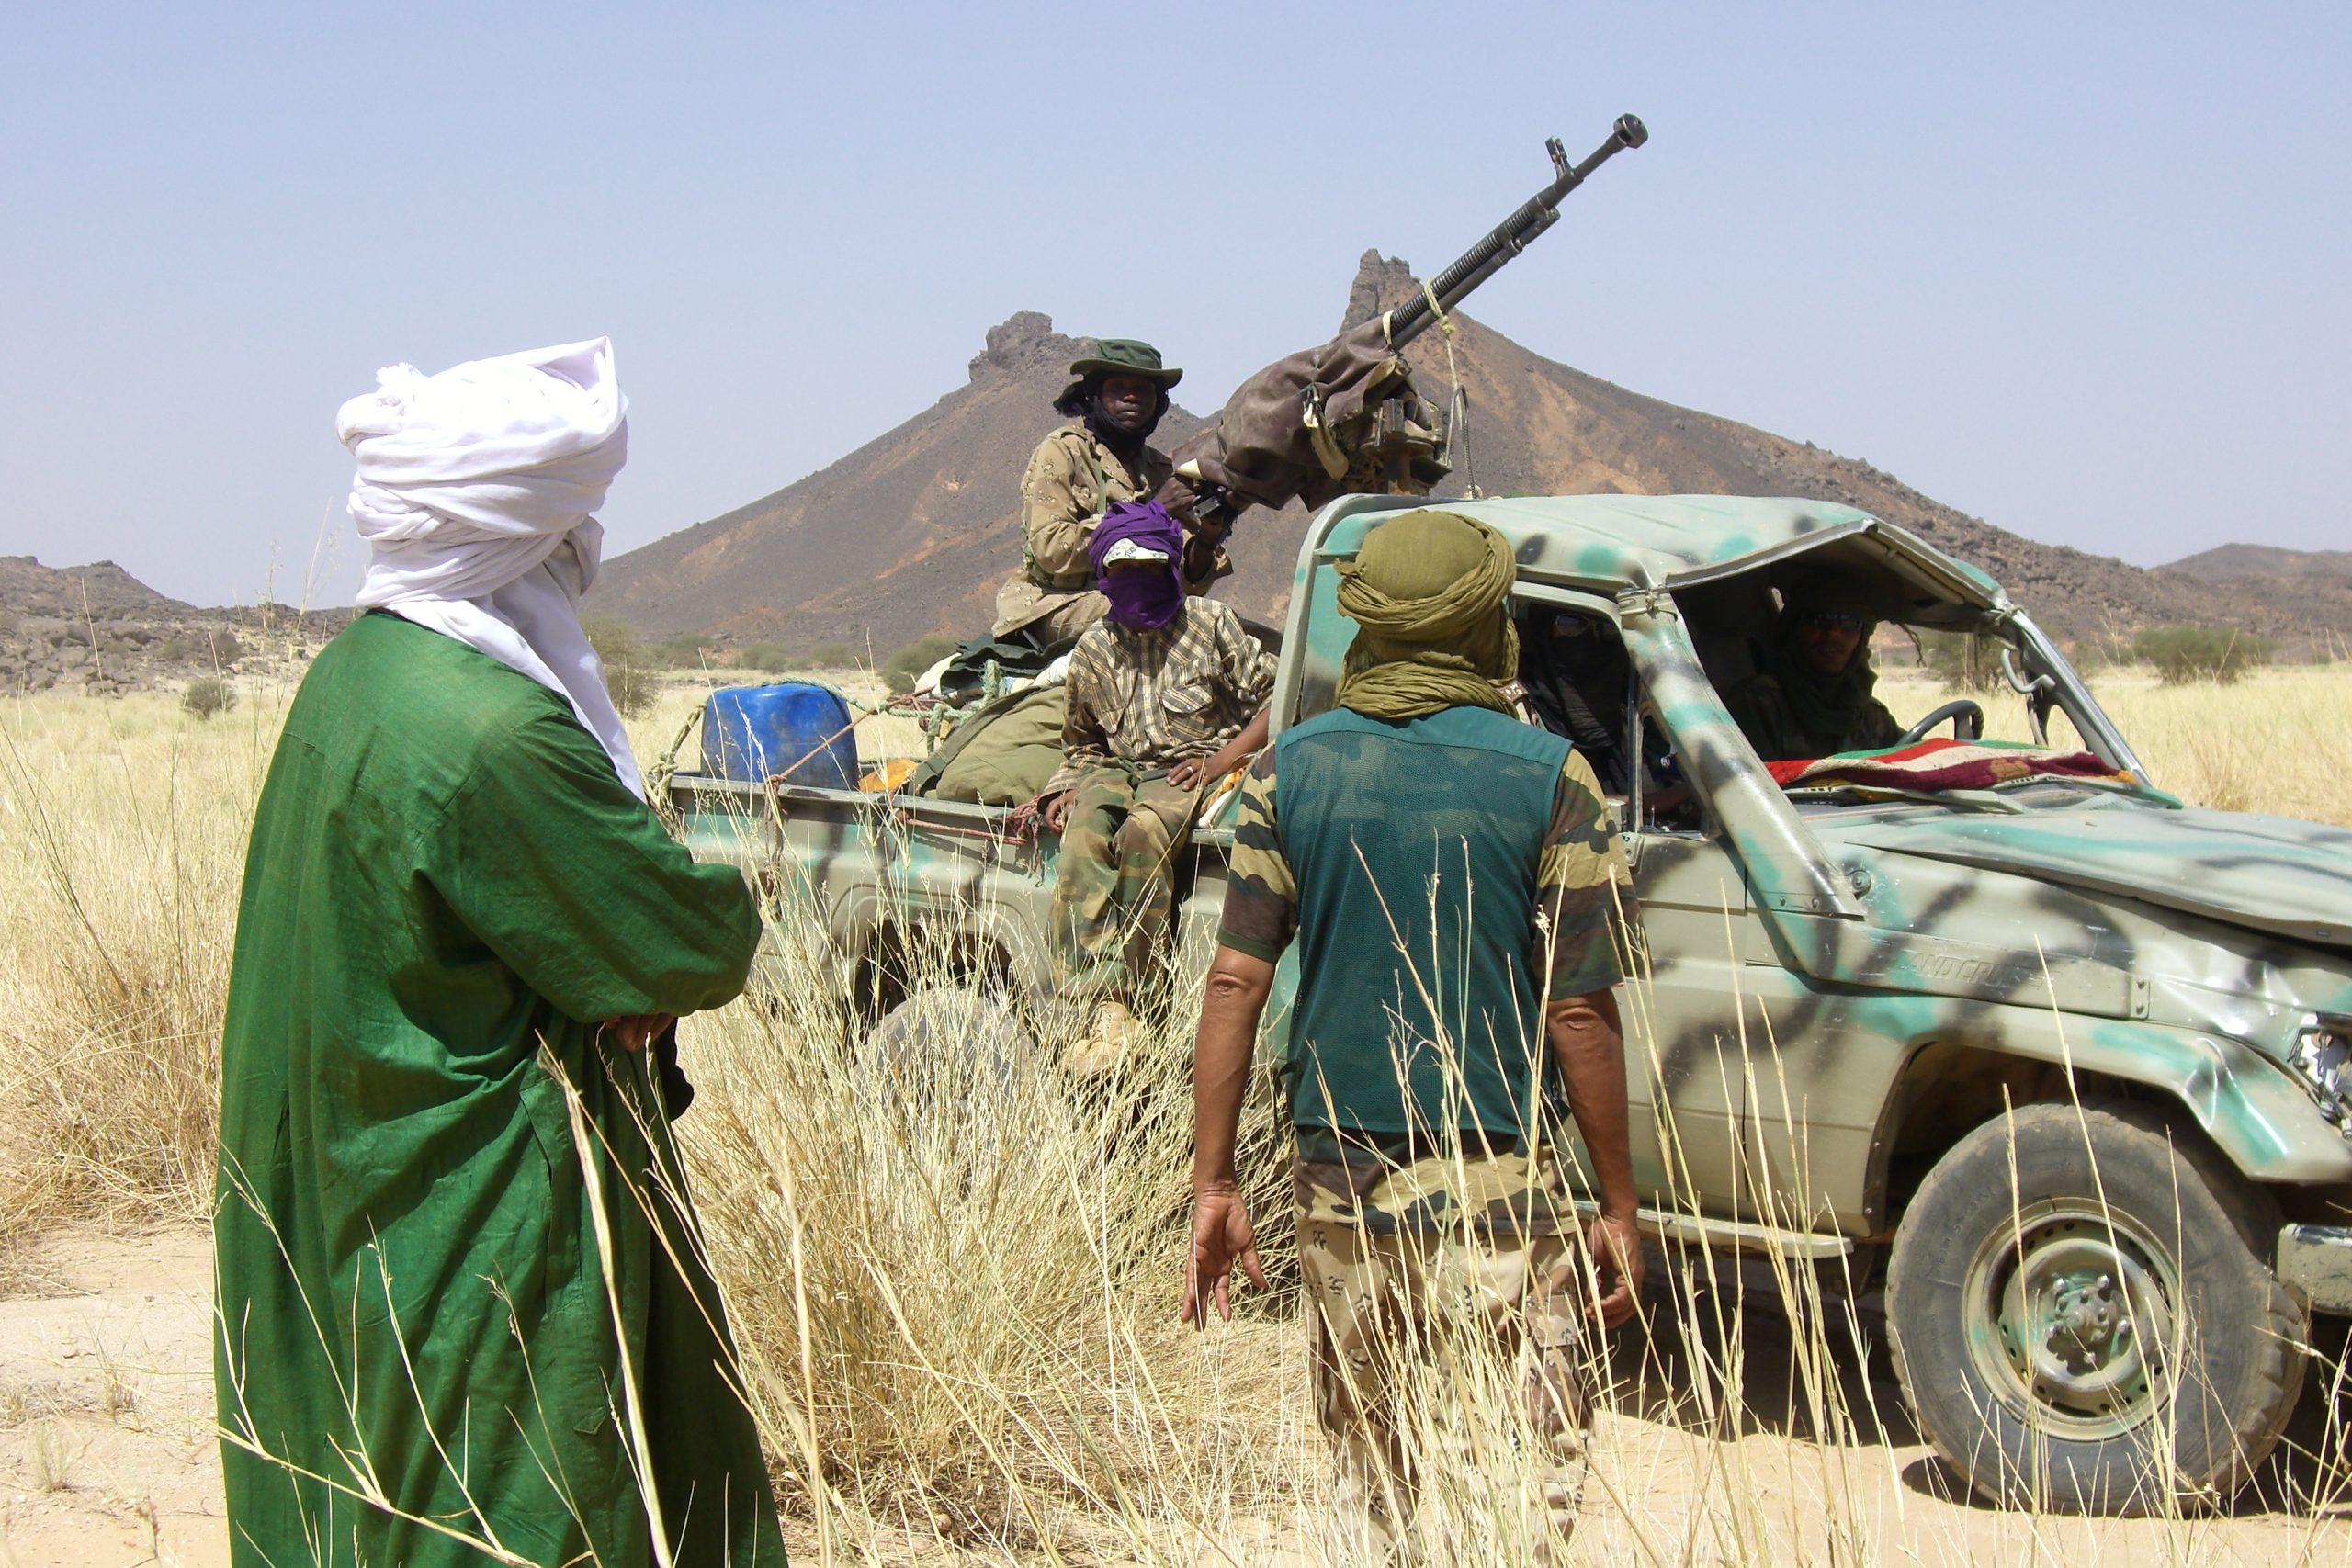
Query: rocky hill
x=912, y=533
x=2261, y=561
x=99, y=629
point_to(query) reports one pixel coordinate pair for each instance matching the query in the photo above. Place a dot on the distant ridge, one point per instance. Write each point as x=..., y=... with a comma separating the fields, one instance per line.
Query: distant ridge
x=913, y=532
x=98, y=629
x=2239, y=561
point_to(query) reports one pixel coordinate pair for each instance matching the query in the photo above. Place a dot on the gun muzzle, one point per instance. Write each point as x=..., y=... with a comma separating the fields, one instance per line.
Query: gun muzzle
x=1511, y=236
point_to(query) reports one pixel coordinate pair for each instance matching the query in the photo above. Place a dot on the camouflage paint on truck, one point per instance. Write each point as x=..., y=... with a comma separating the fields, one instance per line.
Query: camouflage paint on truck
x=1840, y=987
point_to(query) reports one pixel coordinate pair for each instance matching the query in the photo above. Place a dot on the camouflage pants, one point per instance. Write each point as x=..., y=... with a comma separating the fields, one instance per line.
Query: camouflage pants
x=1114, y=885
x=1401, y=1265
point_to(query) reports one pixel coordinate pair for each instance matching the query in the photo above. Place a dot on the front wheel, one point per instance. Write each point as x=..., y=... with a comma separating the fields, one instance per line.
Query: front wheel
x=2084, y=1316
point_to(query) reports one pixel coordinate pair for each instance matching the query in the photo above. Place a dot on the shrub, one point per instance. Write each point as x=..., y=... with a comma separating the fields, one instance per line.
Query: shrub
x=2092, y=654
x=2182, y=654
x=898, y=671
x=832, y=655
x=632, y=681
x=682, y=652
x=772, y=658
x=1964, y=661
x=207, y=695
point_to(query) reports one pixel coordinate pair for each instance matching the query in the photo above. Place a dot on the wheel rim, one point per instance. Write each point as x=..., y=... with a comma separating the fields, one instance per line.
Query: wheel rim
x=2068, y=1317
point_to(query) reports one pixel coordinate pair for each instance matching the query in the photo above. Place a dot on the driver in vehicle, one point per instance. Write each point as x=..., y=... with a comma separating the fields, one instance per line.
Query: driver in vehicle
x=1813, y=698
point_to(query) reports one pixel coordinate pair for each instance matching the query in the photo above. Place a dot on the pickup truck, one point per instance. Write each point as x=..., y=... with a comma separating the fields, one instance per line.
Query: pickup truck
x=2070, y=1060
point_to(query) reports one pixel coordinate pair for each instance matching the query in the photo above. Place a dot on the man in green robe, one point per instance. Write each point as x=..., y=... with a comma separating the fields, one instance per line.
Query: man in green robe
x=463, y=1310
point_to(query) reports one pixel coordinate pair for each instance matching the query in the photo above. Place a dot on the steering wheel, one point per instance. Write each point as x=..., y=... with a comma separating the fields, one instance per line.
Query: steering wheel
x=1967, y=722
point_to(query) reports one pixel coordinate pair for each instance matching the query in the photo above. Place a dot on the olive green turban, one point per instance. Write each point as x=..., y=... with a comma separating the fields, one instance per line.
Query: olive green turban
x=1429, y=591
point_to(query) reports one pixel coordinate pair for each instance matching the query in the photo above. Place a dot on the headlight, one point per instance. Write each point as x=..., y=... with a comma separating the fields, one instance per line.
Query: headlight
x=2322, y=1058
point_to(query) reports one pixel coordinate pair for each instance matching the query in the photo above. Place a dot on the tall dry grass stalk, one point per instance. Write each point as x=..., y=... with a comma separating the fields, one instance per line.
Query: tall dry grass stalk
x=122, y=834
x=956, y=1300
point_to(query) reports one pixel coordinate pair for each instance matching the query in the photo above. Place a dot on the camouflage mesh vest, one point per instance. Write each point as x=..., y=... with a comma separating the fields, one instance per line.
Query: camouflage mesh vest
x=1415, y=845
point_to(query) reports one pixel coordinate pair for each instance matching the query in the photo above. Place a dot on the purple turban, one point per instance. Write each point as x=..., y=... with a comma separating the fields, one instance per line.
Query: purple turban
x=1146, y=600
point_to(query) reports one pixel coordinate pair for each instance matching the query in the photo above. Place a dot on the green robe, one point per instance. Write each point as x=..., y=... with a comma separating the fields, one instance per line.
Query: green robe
x=446, y=883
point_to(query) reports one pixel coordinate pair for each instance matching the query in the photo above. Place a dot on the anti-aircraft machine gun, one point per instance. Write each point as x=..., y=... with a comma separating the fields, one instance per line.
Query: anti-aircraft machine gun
x=1343, y=417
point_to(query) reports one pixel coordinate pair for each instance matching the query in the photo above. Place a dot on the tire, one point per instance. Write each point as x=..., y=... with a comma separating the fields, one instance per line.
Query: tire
x=2084, y=1353
x=930, y=1049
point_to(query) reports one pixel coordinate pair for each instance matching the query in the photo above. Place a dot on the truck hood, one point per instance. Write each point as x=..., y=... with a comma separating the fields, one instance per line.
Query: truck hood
x=2269, y=874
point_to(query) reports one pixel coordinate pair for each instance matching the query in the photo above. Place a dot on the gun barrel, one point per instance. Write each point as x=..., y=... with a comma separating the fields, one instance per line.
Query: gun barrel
x=1512, y=235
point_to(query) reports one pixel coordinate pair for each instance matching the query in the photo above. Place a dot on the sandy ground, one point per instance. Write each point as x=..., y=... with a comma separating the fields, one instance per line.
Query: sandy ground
x=106, y=1453
x=107, y=1457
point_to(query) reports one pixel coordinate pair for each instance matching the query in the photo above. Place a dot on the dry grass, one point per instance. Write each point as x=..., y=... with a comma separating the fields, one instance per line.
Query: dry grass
x=2275, y=742
x=959, y=1325
x=122, y=833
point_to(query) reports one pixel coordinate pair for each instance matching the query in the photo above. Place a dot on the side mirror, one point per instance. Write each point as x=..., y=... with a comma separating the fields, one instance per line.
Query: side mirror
x=2037, y=693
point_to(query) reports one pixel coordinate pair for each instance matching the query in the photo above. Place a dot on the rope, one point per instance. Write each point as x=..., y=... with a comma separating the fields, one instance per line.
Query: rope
x=665, y=768
x=1457, y=407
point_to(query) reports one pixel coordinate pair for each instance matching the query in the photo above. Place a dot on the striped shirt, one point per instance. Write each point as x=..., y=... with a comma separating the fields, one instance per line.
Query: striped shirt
x=1149, y=699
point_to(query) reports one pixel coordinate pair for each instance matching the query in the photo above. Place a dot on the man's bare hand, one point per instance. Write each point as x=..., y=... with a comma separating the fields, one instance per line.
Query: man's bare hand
x=1221, y=1237
x=1056, y=811
x=640, y=1030
x=1194, y=771
x=1616, y=1250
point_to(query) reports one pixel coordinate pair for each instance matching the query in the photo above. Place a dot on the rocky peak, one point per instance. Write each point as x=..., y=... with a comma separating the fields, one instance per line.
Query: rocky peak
x=1025, y=341
x=1382, y=284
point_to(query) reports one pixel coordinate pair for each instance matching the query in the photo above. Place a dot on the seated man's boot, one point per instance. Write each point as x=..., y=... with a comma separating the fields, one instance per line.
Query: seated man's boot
x=1102, y=1046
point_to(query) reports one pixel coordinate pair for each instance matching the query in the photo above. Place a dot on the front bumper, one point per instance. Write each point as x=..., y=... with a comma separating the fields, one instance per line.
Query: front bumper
x=2315, y=1262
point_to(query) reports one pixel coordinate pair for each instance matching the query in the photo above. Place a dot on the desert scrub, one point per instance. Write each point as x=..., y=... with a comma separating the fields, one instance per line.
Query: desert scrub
x=206, y=696
x=1963, y=662
x=961, y=1298
x=2178, y=655
x=900, y=670
x=125, y=832
x=630, y=676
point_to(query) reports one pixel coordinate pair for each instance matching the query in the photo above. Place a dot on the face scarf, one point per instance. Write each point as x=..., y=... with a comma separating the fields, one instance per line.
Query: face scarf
x=1144, y=598
x=474, y=492
x=1828, y=708
x=1430, y=592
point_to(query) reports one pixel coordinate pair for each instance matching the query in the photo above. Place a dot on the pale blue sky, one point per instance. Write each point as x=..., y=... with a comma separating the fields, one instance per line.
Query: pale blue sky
x=2080, y=269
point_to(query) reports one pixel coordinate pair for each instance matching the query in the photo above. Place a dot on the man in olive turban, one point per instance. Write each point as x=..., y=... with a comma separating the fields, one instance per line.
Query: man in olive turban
x=1431, y=1118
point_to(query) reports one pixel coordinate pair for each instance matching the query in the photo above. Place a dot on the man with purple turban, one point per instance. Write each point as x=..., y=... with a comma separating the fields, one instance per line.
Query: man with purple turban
x=463, y=1310
x=1167, y=695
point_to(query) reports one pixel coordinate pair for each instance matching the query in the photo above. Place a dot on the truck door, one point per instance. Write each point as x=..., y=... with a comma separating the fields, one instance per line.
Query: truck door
x=1689, y=1023
x=1683, y=1071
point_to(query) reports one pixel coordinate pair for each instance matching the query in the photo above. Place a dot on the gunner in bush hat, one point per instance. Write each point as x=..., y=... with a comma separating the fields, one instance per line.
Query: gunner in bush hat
x=1116, y=396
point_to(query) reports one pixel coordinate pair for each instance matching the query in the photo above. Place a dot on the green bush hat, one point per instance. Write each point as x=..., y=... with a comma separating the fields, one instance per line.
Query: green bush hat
x=1834, y=590
x=1125, y=357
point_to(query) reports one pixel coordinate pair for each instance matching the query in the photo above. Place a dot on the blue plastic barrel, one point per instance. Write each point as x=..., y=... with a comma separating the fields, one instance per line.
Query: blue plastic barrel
x=798, y=729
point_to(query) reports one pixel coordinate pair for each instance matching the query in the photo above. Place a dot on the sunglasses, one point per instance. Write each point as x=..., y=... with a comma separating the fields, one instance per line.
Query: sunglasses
x=1837, y=620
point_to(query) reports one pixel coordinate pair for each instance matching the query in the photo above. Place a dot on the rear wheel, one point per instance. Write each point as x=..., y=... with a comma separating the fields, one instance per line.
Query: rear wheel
x=941, y=1044
x=2083, y=1315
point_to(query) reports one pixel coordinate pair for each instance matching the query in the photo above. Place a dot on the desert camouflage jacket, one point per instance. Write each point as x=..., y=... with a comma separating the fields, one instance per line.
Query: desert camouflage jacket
x=1071, y=481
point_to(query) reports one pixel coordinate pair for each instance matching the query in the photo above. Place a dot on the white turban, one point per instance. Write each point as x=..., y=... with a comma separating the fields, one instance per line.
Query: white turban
x=475, y=489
